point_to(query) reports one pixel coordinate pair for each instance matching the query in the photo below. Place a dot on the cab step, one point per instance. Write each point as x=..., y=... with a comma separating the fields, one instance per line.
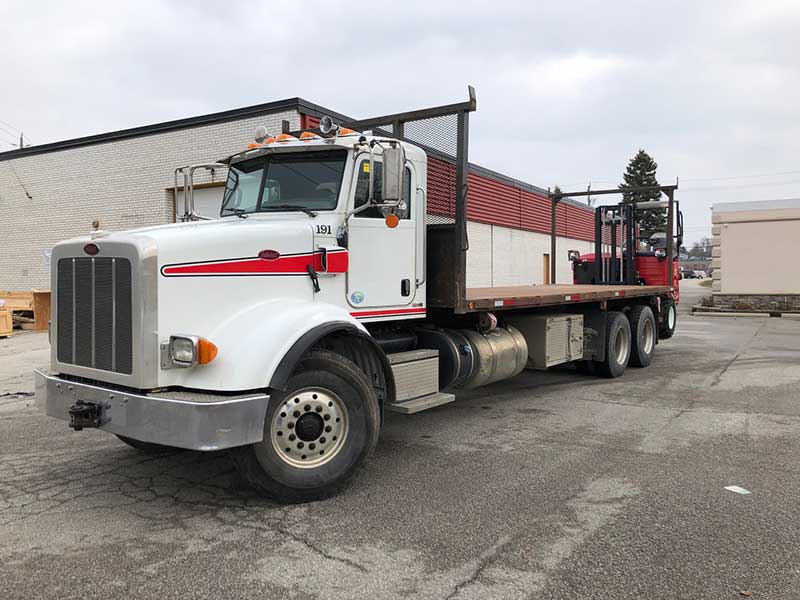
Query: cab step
x=416, y=405
x=416, y=376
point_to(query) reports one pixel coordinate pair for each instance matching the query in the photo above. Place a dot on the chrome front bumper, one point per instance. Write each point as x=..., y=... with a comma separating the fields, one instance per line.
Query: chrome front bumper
x=180, y=419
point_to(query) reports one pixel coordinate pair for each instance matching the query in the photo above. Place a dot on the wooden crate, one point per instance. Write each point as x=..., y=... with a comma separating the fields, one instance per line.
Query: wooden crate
x=35, y=301
x=41, y=309
x=17, y=300
x=6, y=324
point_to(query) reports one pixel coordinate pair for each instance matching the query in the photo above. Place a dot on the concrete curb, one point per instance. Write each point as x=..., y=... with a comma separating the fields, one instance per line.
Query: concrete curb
x=706, y=311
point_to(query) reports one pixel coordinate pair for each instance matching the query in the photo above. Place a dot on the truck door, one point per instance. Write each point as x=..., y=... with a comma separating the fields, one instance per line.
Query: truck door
x=382, y=270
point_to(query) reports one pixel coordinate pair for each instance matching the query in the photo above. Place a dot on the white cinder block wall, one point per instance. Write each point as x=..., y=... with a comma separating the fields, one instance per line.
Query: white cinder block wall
x=499, y=256
x=130, y=190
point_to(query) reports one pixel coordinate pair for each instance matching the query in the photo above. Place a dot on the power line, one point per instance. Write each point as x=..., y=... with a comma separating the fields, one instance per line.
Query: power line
x=8, y=131
x=776, y=174
x=741, y=186
x=721, y=178
x=14, y=143
x=10, y=125
x=18, y=131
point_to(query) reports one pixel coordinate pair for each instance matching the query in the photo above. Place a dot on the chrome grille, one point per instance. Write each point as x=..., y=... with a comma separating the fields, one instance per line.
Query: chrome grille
x=94, y=314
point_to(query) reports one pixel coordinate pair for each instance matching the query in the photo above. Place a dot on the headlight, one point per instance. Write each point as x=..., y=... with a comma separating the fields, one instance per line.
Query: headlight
x=660, y=253
x=188, y=351
x=183, y=350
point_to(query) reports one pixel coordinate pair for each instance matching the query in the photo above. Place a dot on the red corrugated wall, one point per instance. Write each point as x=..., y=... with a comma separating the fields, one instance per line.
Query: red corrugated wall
x=308, y=122
x=490, y=200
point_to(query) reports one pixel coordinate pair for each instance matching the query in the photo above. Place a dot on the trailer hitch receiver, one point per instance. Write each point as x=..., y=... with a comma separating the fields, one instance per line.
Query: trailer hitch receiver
x=84, y=414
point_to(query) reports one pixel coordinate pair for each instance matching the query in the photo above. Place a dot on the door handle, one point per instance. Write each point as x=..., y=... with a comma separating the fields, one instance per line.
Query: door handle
x=405, y=287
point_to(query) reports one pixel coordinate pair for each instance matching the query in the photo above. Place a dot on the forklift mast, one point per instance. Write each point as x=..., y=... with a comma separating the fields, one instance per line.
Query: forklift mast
x=617, y=235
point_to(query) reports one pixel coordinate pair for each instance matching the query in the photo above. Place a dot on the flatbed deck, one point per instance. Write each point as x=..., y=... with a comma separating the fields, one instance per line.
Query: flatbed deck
x=493, y=298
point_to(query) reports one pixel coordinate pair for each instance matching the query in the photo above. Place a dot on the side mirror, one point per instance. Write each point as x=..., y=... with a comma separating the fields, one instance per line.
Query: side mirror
x=392, y=176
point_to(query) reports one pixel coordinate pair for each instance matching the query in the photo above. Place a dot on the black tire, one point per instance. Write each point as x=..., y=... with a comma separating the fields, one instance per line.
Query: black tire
x=669, y=318
x=148, y=447
x=286, y=477
x=618, y=346
x=643, y=335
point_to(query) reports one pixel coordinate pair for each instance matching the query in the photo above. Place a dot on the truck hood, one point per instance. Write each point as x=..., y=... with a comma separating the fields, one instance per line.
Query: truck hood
x=220, y=246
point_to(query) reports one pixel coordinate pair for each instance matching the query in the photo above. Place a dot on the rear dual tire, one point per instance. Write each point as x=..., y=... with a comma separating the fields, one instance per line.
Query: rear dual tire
x=317, y=435
x=630, y=340
x=618, y=346
x=643, y=335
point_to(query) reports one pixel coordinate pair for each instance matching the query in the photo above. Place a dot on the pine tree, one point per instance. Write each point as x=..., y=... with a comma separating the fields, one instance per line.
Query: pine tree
x=641, y=172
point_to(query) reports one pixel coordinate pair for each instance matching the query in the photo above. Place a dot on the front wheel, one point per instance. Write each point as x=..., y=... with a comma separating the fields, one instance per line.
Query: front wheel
x=316, y=435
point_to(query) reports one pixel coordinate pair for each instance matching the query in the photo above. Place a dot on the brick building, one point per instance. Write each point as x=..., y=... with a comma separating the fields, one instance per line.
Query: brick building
x=124, y=180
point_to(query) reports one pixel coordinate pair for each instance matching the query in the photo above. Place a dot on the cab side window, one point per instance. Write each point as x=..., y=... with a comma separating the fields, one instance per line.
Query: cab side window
x=362, y=190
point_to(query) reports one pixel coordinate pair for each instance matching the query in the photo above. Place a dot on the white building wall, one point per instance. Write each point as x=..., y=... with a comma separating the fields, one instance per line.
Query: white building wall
x=500, y=256
x=121, y=183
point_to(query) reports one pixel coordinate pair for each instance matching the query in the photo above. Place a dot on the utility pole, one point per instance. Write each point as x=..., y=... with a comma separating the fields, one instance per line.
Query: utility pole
x=20, y=141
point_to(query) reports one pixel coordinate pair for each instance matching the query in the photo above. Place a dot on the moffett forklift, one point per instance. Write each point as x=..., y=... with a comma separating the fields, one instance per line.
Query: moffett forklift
x=628, y=257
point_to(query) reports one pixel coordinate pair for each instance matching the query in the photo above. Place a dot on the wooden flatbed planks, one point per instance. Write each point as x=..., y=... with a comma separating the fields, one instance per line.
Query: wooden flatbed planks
x=521, y=296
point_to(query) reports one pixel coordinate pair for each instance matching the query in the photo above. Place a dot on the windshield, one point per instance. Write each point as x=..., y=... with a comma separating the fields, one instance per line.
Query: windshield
x=292, y=181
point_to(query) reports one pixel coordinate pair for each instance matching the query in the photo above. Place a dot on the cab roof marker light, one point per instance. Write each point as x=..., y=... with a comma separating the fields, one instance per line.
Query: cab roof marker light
x=346, y=131
x=285, y=137
x=307, y=135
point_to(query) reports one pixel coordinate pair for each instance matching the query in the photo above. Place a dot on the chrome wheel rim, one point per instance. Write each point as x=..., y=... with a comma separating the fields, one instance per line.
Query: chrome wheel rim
x=309, y=428
x=621, y=346
x=648, y=336
x=671, y=317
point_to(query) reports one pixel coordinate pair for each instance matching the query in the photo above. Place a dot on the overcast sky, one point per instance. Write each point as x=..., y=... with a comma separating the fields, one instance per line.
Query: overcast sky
x=567, y=91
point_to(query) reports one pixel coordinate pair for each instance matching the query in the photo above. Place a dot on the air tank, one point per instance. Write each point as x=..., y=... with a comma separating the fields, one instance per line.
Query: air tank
x=470, y=359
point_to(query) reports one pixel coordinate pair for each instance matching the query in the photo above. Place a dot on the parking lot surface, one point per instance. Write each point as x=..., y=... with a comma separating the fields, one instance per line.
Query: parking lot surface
x=550, y=485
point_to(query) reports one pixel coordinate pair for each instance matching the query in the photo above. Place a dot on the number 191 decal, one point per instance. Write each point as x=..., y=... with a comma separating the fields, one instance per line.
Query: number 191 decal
x=324, y=229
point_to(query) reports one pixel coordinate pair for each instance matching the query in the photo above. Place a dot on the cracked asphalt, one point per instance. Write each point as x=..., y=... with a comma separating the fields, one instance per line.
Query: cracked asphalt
x=550, y=485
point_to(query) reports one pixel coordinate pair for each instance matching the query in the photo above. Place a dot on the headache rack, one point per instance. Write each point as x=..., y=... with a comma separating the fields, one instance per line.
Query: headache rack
x=443, y=133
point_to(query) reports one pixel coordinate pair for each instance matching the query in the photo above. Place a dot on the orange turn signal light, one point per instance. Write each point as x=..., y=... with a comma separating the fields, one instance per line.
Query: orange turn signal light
x=392, y=220
x=206, y=351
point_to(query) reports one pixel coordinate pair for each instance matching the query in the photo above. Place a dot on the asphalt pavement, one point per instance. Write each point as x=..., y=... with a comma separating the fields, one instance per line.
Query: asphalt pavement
x=550, y=485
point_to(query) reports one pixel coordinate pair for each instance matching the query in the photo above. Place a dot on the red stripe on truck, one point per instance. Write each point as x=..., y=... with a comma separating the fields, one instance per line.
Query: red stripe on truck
x=292, y=264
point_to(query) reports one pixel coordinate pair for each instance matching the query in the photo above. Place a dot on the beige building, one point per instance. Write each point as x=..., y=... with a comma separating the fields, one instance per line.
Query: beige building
x=752, y=242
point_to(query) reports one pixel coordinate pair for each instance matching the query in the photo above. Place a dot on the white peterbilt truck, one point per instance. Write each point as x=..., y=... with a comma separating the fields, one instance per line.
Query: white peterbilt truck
x=328, y=292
